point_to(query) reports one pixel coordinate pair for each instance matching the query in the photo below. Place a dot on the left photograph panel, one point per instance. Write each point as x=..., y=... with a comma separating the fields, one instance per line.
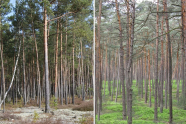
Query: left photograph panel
x=46, y=54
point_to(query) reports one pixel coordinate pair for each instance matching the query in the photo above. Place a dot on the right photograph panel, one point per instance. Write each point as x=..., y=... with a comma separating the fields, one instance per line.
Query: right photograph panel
x=139, y=61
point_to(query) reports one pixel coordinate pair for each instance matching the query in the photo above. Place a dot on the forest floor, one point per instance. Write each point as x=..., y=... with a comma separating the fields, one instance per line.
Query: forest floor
x=80, y=113
x=142, y=114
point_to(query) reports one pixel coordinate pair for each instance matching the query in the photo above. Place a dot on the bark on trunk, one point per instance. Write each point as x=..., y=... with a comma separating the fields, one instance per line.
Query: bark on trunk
x=2, y=68
x=170, y=62
x=183, y=4
x=162, y=68
x=47, y=92
x=149, y=78
x=156, y=65
x=121, y=64
x=129, y=64
x=146, y=86
x=56, y=60
x=61, y=69
x=98, y=63
x=24, y=76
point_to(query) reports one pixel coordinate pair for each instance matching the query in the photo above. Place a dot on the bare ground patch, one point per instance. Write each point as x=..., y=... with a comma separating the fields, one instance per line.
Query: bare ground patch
x=80, y=113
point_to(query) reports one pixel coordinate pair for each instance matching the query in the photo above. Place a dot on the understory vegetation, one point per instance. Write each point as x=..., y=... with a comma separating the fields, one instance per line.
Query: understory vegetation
x=141, y=112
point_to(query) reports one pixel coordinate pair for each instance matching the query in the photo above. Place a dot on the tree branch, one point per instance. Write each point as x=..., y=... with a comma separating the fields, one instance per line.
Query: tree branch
x=59, y=16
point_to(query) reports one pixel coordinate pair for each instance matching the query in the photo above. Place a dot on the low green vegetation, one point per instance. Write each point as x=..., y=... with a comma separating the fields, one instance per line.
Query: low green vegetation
x=54, y=102
x=36, y=116
x=142, y=113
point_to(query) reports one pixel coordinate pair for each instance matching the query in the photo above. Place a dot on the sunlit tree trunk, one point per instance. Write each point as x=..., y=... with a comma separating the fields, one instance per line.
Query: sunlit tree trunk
x=56, y=60
x=47, y=92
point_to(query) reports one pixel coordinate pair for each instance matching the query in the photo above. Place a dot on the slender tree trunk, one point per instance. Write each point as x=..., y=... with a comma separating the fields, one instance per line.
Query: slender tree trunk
x=56, y=60
x=162, y=68
x=24, y=75
x=38, y=70
x=166, y=75
x=138, y=77
x=117, y=76
x=156, y=66
x=82, y=73
x=121, y=64
x=142, y=76
x=100, y=85
x=114, y=70
x=13, y=87
x=66, y=68
x=47, y=92
x=109, y=71
x=61, y=69
x=73, y=78
x=2, y=67
x=149, y=78
x=170, y=63
x=105, y=70
x=146, y=84
x=177, y=79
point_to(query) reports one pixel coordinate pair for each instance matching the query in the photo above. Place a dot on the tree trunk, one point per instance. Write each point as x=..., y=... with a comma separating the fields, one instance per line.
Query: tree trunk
x=142, y=76
x=24, y=76
x=2, y=66
x=149, y=78
x=117, y=76
x=156, y=65
x=183, y=5
x=82, y=73
x=98, y=62
x=170, y=63
x=66, y=69
x=61, y=69
x=105, y=70
x=146, y=86
x=129, y=65
x=47, y=92
x=177, y=73
x=38, y=70
x=56, y=60
x=73, y=78
x=121, y=63
x=162, y=69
